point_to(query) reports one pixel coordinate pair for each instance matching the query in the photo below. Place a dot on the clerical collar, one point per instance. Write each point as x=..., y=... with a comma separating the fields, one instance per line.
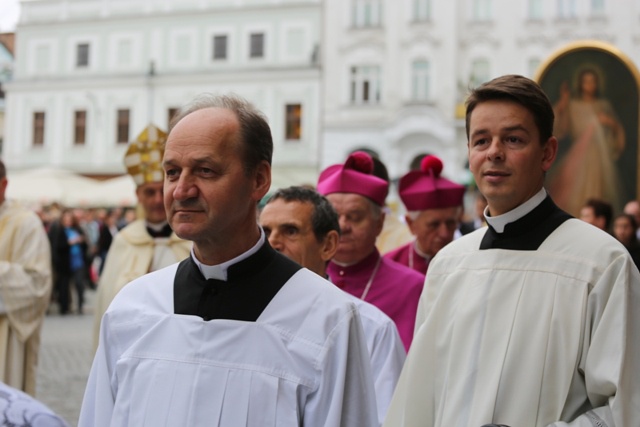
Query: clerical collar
x=350, y=264
x=219, y=271
x=250, y=286
x=157, y=226
x=499, y=222
x=528, y=232
x=161, y=229
x=364, y=265
x=418, y=252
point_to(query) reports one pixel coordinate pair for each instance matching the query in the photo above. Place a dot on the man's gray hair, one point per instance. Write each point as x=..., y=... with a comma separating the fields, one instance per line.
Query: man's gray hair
x=255, y=133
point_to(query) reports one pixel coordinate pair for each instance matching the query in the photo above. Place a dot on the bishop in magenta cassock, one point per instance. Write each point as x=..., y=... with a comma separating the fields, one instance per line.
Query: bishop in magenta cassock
x=434, y=206
x=357, y=267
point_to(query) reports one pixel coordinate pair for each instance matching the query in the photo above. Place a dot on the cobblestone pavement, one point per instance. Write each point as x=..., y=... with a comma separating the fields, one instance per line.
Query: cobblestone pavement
x=65, y=360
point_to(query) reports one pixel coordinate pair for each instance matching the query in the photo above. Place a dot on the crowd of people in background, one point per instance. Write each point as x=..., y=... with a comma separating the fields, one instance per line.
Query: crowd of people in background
x=80, y=239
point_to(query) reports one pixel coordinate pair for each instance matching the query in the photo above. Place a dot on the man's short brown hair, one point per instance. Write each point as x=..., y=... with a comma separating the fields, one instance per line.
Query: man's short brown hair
x=520, y=90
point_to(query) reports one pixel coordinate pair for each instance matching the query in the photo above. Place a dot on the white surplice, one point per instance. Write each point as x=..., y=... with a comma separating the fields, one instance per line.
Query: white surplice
x=526, y=338
x=386, y=352
x=303, y=362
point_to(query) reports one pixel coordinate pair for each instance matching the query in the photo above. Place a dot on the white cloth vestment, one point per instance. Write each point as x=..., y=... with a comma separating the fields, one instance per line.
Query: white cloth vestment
x=302, y=362
x=526, y=338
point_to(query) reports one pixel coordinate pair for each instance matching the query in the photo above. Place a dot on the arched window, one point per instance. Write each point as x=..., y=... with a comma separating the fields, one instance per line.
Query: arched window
x=365, y=84
x=535, y=9
x=366, y=13
x=597, y=7
x=566, y=9
x=422, y=10
x=479, y=72
x=421, y=80
x=482, y=10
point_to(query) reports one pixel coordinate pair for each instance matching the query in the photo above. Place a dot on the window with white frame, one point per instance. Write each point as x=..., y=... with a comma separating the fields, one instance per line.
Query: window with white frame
x=421, y=80
x=365, y=84
x=80, y=127
x=82, y=55
x=42, y=58
x=479, y=72
x=125, y=52
x=422, y=10
x=183, y=44
x=220, y=47
x=293, y=122
x=38, y=128
x=597, y=7
x=122, y=126
x=367, y=13
x=481, y=10
x=535, y=9
x=566, y=9
x=256, y=45
x=295, y=41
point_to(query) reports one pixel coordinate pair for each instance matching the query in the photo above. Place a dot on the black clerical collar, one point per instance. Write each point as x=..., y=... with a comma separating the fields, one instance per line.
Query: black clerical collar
x=528, y=232
x=250, y=286
x=165, y=231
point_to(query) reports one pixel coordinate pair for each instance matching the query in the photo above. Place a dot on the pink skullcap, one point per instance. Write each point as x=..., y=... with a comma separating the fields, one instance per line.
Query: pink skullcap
x=354, y=177
x=426, y=189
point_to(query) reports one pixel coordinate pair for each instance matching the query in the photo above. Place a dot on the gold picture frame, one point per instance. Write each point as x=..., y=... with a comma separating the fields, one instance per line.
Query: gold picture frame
x=595, y=90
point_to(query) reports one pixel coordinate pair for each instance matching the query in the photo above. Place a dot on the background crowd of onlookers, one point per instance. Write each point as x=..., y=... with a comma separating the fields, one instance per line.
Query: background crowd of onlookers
x=624, y=226
x=80, y=239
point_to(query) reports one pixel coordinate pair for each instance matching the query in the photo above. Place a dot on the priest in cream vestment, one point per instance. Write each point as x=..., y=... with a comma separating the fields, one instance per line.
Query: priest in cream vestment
x=25, y=288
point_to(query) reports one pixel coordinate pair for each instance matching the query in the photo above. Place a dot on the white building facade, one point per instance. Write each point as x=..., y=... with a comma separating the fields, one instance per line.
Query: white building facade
x=396, y=73
x=91, y=74
x=387, y=80
x=333, y=76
